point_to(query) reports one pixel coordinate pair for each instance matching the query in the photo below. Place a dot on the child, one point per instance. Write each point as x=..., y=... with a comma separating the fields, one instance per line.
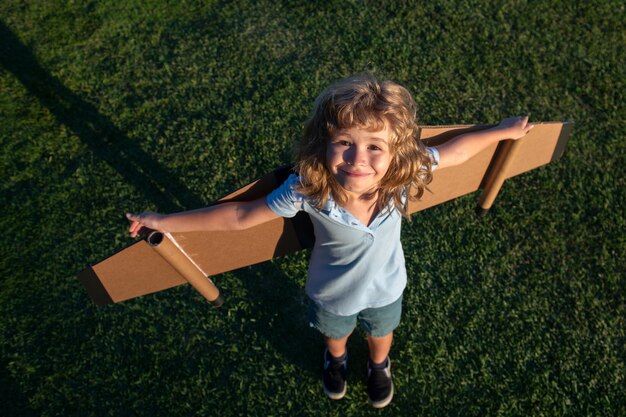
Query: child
x=358, y=163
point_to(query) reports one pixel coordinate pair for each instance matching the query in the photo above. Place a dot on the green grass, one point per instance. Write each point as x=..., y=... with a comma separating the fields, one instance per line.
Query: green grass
x=113, y=106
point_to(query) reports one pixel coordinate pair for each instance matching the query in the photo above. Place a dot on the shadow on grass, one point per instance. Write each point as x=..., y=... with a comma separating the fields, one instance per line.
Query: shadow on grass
x=12, y=400
x=283, y=307
x=278, y=308
x=106, y=141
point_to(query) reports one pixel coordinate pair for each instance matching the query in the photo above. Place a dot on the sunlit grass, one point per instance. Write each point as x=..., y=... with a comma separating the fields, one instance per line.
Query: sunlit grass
x=107, y=107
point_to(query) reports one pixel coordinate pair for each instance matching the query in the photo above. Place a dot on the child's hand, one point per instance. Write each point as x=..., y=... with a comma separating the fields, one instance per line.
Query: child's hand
x=147, y=219
x=515, y=127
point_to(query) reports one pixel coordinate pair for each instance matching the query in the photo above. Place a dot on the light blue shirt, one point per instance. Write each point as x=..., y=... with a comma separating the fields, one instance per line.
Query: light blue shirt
x=352, y=266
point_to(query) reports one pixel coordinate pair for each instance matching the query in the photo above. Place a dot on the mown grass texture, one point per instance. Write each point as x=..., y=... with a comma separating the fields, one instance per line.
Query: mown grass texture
x=109, y=106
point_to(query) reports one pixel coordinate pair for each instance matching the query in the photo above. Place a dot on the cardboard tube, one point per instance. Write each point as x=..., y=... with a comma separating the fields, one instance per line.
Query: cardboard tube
x=497, y=175
x=164, y=246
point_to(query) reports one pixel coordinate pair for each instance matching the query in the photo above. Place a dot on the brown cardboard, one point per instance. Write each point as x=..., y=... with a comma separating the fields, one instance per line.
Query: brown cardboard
x=169, y=249
x=139, y=269
x=134, y=271
x=488, y=169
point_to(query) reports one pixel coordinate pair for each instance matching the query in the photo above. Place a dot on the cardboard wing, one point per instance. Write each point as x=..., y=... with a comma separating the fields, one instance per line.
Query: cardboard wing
x=166, y=260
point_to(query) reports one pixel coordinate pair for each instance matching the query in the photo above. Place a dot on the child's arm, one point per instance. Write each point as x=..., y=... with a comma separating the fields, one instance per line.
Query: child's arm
x=225, y=216
x=463, y=147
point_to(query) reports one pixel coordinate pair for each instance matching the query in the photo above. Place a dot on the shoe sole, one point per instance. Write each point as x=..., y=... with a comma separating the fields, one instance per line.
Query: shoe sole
x=336, y=395
x=331, y=394
x=381, y=403
x=384, y=402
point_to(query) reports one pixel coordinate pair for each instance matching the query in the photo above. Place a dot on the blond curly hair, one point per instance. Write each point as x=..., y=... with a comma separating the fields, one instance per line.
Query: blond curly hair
x=365, y=102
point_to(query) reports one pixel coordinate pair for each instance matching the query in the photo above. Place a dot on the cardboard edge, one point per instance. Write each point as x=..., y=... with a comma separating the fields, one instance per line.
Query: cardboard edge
x=561, y=142
x=450, y=131
x=447, y=132
x=259, y=187
x=94, y=287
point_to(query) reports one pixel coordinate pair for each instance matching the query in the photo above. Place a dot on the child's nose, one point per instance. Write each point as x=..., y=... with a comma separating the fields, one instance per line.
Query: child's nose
x=354, y=156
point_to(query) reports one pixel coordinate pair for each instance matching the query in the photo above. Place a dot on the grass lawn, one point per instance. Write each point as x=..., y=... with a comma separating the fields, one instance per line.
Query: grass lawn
x=108, y=107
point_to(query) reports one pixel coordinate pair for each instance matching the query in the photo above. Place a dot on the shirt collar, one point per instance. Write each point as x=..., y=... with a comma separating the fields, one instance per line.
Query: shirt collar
x=343, y=216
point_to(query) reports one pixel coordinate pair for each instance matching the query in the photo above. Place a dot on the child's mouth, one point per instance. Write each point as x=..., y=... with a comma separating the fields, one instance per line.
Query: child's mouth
x=355, y=174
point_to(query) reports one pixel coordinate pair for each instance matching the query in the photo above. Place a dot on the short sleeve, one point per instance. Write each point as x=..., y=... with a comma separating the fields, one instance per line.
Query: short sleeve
x=434, y=156
x=285, y=200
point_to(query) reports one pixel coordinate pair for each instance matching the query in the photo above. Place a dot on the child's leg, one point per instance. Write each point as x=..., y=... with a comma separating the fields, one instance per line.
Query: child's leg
x=379, y=324
x=335, y=368
x=337, y=347
x=379, y=347
x=336, y=331
x=379, y=383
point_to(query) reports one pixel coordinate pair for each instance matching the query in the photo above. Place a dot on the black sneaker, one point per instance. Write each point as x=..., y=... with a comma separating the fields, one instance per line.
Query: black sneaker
x=335, y=377
x=379, y=385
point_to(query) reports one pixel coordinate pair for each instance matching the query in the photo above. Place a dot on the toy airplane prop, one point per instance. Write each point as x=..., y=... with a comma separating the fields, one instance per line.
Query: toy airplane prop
x=165, y=260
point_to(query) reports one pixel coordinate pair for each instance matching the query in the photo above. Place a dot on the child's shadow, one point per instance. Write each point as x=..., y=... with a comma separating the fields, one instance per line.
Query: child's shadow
x=277, y=313
x=103, y=138
x=283, y=310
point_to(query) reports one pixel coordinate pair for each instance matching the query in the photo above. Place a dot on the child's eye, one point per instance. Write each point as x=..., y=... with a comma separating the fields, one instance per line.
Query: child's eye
x=374, y=148
x=344, y=143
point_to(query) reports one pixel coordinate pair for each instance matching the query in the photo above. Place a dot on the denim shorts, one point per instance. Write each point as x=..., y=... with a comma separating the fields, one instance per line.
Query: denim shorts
x=376, y=322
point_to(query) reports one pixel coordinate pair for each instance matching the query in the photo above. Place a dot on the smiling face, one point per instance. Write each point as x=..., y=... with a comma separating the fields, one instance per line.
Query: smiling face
x=359, y=158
